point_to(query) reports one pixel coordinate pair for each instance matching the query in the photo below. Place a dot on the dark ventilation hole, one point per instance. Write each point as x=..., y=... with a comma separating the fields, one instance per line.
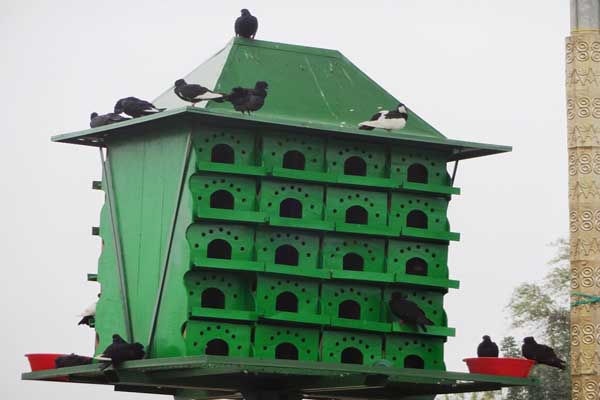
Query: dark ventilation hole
x=286, y=255
x=217, y=347
x=416, y=266
x=222, y=153
x=290, y=208
x=219, y=248
x=287, y=301
x=286, y=351
x=294, y=160
x=349, y=309
x=417, y=173
x=414, y=362
x=357, y=215
x=213, y=298
x=353, y=262
x=221, y=199
x=355, y=166
x=416, y=219
x=352, y=355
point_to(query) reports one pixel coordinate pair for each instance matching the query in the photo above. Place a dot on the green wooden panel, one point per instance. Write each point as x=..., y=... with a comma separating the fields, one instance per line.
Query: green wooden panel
x=286, y=342
x=217, y=338
x=281, y=150
x=351, y=347
x=205, y=289
x=357, y=159
x=401, y=349
x=211, y=144
x=353, y=254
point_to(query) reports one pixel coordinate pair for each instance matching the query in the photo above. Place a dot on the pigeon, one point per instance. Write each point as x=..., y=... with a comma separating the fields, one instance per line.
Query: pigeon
x=71, y=360
x=487, y=348
x=88, y=314
x=541, y=353
x=246, y=25
x=408, y=312
x=135, y=107
x=120, y=351
x=194, y=93
x=106, y=119
x=248, y=100
x=388, y=120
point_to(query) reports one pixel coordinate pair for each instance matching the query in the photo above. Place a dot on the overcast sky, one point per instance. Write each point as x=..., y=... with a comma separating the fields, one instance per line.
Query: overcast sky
x=478, y=70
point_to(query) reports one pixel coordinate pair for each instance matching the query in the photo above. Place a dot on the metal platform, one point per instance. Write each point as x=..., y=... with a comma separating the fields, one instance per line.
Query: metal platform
x=211, y=377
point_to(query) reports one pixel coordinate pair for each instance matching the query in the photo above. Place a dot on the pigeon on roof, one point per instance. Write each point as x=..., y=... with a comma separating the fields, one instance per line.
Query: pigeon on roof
x=248, y=100
x=135, y=107
x=88, y=314
x=120, y=351
x=388, y=120
x=487, y=348
x=246, y=25
x=71, y=360
x=541, y=353
x=194, y=93
x=106, y=119
x=408, y=312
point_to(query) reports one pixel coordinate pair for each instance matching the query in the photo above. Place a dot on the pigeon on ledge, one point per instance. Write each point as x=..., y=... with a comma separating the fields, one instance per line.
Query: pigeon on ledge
x=388, y=120
x=246, y=25
x=106, y=119
x=487, y=348
x=541, y=353
x=194, y=93
x=248, y=100
x=408, y=312
x=120, y=351
x=88, y=314
x=71, y=360
x=135, y=107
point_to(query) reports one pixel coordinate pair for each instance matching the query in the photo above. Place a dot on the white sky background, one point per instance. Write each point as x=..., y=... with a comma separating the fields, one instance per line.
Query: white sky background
x=478, y=70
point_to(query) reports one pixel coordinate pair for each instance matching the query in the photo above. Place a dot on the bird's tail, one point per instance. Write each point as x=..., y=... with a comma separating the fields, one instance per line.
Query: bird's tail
x=558, y=363
x=365, y=126
x=106, y=362
x=85, y=320
x=212, y=96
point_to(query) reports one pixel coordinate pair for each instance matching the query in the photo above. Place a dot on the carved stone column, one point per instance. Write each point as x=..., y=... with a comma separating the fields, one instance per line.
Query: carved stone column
x=583, y=122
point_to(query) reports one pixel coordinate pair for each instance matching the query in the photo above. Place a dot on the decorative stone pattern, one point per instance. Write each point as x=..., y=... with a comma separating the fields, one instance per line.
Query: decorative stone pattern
x=583, y=120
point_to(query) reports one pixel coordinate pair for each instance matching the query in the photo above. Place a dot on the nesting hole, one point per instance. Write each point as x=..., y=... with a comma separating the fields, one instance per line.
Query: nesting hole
x=222, y=153
x=219, y=248
x=213, y=298
x=414, y=362
x=349, y=309
x=217, y=347
x=221, y=199
x=357, y=215
x=293, y=159
x=355, y=166
x=286, y=351
x=286, y=255
x=352, y=355
x=290, y=208
x=417, y=173
x=416, y=219
x=353, y=262
x=287, y=301
x=416, y=266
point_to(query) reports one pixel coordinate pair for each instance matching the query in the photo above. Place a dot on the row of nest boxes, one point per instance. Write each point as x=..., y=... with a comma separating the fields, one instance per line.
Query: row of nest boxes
x=267, y=341
x=328, y=256
x=315, y=160
x=321, y=207
x=296, y=300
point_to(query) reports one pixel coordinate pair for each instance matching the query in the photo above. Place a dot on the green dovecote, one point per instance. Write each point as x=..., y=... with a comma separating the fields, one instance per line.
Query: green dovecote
x=271, y=243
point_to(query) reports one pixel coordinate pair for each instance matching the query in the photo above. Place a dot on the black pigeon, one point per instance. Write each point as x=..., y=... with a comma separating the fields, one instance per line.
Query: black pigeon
x=120, y=351
x=72, y=360
x=194, y=93
x=135, y=107
x=106, y=119
x=248, y=100
x=541, y=353
x=487, y=348
x=408, y=312
x=246, y=25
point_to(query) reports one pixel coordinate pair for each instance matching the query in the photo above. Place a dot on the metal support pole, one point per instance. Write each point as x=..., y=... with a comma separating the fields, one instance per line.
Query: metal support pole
x=454, y=173
x=165, y=265
x=583, y=125
x=107, y=177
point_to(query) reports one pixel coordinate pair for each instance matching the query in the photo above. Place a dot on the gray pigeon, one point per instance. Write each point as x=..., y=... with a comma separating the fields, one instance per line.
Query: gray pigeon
x=194, y=93
x=487, y=348
x=119, y=351
x=408, y=312
x=246, y=25
x=135, y=107
x=106, y=119
x=248, y=100
x=541, y=353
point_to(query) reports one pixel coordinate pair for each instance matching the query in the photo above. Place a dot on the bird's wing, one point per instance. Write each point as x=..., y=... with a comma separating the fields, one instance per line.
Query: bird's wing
x=545, y=352
x=237, y=25
x=377, y=115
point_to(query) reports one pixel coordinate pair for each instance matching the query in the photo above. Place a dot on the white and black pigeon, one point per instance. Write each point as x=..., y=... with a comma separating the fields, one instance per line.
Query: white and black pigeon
x=119, y=351
x=246, y=25
x=194, y=93
x=106, y=119
x=487, y=348
x=88, y=314
x=388, y=120
x=135, y=107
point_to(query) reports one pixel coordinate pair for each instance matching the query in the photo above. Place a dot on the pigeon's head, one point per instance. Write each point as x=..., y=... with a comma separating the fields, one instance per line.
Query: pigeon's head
x=261, y=85
x=401, y=108
x=529, y=340
x=399, y=295
x=245, y=12
x=179, y=82
x=93, y=115
x=486, y=338
x=119, y=107
x=117, y=339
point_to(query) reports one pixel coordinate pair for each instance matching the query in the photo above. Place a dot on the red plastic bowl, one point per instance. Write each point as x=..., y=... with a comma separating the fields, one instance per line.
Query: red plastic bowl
x=42, y=361
x=517, y=367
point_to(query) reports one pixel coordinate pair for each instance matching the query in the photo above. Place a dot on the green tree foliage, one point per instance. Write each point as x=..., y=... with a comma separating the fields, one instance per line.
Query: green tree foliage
x=543, y=309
